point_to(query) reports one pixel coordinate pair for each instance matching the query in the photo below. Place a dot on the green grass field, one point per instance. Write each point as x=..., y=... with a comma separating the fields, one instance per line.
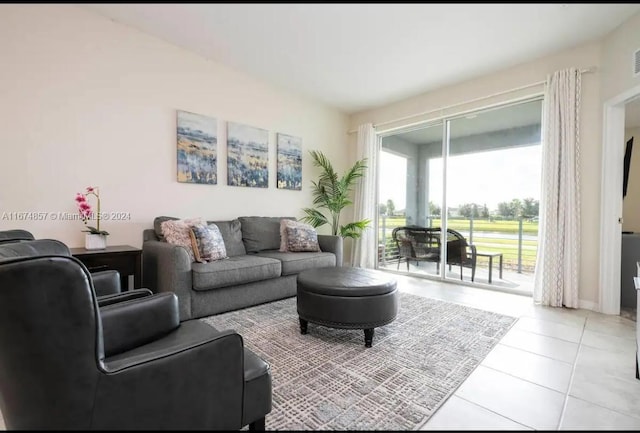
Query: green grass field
x=484, y=238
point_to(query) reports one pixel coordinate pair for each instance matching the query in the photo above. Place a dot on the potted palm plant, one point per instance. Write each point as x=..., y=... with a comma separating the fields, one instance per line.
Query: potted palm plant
x=331, y=193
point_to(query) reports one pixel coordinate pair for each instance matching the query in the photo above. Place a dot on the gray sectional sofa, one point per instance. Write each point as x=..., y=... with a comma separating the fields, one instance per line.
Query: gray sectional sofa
x=255, y=271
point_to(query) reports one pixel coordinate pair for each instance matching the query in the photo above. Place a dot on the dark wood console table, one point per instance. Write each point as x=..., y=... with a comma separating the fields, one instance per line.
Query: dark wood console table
x=122, y=258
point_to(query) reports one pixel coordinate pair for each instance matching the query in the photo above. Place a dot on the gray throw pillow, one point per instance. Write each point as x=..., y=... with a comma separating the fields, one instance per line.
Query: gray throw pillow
x=301, y=239
x=207, y=243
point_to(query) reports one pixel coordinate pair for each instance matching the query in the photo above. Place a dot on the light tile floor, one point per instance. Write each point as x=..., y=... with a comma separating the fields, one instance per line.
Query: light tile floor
x=556, y=369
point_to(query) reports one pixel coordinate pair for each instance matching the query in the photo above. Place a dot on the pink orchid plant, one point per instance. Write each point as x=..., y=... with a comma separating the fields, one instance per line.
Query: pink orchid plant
x=86, y=211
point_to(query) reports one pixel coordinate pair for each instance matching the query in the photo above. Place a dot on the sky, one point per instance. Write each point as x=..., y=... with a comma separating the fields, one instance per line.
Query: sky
x=484, y=177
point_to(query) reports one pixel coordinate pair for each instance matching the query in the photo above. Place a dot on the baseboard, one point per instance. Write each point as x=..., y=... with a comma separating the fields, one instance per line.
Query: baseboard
x=588, y=305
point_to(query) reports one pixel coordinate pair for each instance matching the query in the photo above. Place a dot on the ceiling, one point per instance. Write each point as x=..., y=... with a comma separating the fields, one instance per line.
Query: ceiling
x=359, y=56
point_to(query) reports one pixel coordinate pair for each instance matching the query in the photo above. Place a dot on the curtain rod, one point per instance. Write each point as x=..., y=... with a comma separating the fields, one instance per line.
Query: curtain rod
x=526, y=86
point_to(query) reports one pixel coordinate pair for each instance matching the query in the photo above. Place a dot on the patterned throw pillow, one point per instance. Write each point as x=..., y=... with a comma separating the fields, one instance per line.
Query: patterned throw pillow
x=284, y=224
x=207, y=243
x=302, y=239
x=177, y=233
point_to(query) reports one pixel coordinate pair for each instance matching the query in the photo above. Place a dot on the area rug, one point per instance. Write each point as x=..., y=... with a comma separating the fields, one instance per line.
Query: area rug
x=328, y=380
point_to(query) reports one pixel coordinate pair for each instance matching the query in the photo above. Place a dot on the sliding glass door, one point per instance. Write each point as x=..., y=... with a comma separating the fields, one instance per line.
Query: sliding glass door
x=407, y=194
x=483, y=193
x=493, y=191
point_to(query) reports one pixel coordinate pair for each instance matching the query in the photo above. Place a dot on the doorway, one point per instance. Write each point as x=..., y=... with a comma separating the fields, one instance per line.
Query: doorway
x=611, y=209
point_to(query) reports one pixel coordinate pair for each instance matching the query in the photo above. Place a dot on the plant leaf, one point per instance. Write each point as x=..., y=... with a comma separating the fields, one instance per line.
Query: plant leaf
x=354, y=229
x=333, y=193
x=314, y=217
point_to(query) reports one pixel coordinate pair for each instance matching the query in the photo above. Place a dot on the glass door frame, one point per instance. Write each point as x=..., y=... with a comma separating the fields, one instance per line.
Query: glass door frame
x=446, y=120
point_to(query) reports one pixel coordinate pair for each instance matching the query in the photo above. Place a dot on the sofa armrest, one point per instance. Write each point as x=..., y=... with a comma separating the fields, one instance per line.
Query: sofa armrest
x=331, y=244
x=135, y=322
x=106, y=282
x=167, y=268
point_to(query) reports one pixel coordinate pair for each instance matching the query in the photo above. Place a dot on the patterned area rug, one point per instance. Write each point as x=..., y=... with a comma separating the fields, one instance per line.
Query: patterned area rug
x=328, y=380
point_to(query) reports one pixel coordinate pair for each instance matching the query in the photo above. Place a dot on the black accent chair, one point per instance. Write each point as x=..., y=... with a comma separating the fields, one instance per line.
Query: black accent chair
x=418, y=244
x=68, y=364
x=106, y=283
x=15, y=235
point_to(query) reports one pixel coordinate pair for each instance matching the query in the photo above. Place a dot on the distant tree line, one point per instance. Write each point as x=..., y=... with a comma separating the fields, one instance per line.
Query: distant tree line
x=388, y=209
x=516, y=208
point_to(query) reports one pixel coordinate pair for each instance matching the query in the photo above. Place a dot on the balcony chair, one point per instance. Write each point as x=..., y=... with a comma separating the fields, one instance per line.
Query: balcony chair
x=68, y=364
x=418, y=244
x=459, y=252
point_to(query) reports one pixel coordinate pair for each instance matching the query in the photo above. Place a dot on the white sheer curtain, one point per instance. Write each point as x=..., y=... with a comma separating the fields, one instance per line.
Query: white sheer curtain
x=558, y=261
x=365, y=251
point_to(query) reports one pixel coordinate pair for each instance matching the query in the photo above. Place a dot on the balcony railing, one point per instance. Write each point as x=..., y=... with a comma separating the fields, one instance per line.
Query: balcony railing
x=517, y=239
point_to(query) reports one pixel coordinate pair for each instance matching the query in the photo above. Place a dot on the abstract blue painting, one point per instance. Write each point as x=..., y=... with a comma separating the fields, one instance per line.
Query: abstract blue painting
x=289, y=162
x=247, y=156
x=197, y=148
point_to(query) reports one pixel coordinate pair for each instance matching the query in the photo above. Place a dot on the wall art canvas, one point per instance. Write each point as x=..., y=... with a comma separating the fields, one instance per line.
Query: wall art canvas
x=289, y=162
x=197, y=148
x=247, y=156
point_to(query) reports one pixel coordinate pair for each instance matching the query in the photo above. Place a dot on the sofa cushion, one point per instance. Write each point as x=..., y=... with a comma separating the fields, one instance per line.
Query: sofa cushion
x=207, y=243
x=234, y=271
x=261, y=233
x=232, y=235
x=293, y=263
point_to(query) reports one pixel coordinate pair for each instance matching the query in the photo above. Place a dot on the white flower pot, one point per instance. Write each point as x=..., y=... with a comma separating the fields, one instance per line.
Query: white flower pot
x=95, y=242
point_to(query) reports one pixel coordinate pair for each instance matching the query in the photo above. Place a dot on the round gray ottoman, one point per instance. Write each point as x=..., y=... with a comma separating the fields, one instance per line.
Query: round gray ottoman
x=347, y=298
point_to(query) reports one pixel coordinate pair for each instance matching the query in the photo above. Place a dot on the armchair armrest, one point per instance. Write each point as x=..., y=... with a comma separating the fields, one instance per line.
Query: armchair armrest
x=114, y=298
x=106, y=282
x=204, y=366
x=331, y=244
x=137, y=321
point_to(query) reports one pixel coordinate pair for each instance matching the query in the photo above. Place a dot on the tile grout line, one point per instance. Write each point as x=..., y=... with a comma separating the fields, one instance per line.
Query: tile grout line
x=523, y=379
x=494, y=412
x=573, y=372
x=608, y=408
x=539, y=354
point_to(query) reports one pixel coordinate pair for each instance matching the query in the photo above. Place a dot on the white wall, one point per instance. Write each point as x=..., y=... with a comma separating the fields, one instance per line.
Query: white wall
x=631, y=203
x=88, y=101
x=617, y=58
x=535, y=71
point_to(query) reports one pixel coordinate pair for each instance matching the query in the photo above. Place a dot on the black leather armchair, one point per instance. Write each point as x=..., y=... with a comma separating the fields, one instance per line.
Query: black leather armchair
x=66, y=363
x=15, y=235
x=104, y=282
